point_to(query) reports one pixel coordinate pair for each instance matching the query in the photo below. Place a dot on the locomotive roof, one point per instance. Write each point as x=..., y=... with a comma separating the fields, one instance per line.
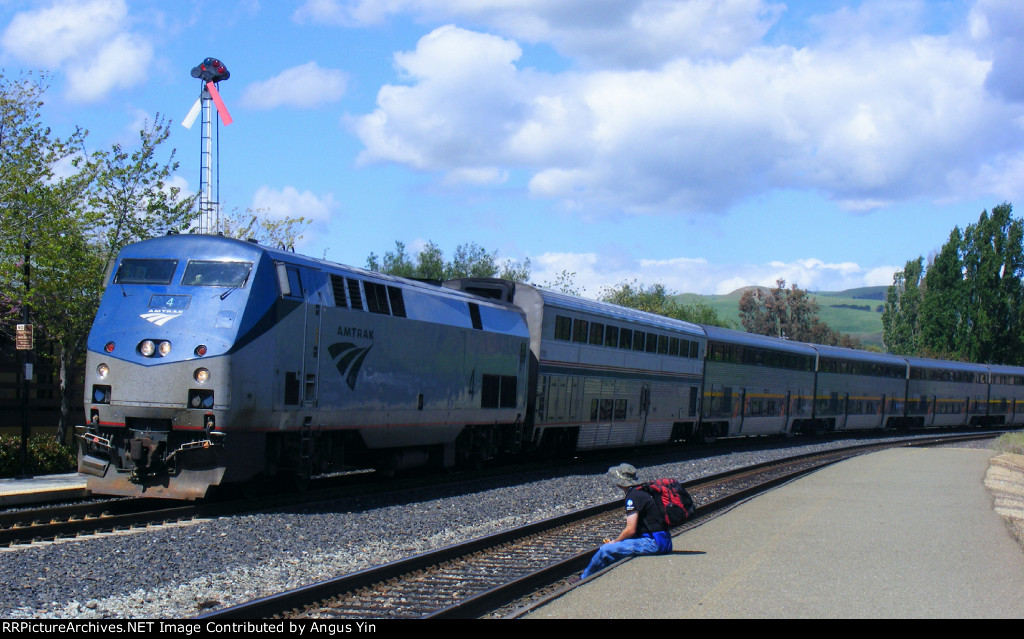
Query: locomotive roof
x=203, y=246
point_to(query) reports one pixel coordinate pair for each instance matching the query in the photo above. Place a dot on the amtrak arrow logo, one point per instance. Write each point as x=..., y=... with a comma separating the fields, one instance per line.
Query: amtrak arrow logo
x=349, y=360
x=159, y=318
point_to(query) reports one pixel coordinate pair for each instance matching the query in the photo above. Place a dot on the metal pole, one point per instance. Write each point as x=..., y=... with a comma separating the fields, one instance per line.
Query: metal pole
x=206, y=167
x=26, y=367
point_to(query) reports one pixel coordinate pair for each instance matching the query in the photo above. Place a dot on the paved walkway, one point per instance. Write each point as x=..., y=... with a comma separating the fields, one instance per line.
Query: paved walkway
x=906, y=533
x=34, y=490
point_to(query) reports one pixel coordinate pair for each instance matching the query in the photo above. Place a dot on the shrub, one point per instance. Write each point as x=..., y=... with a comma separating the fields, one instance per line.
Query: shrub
x=46, y=456
x=1011, y=443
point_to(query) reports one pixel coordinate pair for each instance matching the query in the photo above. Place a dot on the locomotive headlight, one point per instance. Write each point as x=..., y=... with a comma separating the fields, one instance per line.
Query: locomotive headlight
x=164, y=348
x=202, y=375
x=147, y=347
x=102, y=371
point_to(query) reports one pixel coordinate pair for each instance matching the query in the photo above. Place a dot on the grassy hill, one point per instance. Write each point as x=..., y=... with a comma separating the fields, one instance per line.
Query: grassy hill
x=857, y=311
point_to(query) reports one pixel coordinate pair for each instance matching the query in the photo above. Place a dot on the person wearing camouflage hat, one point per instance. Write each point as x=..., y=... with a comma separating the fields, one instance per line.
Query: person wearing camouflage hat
x=644, y=533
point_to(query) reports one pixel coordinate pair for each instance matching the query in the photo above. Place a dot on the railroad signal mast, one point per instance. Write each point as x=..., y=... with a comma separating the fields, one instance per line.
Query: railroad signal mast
x=211, y=72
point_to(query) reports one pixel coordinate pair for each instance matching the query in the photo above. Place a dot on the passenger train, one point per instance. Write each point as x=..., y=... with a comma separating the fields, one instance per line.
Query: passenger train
x=214, y=361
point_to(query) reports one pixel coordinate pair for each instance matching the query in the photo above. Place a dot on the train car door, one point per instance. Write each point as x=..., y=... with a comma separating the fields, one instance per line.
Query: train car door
x=742, y=411
x=841, y=423
x=302, y=286
x=314, y=329
x=786, y=417
x=645, y=409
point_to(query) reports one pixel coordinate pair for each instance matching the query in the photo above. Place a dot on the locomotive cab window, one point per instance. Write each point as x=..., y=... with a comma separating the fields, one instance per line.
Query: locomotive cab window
x=145, y=271
x=288, y=280
x=225, y=274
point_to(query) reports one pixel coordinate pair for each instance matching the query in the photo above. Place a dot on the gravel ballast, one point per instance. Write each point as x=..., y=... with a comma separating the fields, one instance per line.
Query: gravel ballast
x=183, y=570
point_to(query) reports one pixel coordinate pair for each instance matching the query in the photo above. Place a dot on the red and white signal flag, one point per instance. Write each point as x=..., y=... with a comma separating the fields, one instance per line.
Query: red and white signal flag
x=211, y=71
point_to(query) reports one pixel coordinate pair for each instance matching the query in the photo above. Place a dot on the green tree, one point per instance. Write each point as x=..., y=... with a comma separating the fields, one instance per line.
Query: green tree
x=395, y=262
x=66, y=214
x=942, y=324
x=257, y=225
x=565, y=282
x=788, y=313
x=993, y=263
x=969, y=304
x=43, y=181
x=901, y=321
x=132, y=197
x=129, y=198
x=430, y=262
x=659, y=300
x=469, y=260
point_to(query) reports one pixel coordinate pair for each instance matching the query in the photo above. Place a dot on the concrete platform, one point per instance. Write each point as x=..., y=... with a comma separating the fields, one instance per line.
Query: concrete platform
x=906, y=533
x=42, y=489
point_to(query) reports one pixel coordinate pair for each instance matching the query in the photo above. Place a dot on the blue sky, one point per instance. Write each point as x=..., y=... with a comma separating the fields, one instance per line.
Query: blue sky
x=702, y=144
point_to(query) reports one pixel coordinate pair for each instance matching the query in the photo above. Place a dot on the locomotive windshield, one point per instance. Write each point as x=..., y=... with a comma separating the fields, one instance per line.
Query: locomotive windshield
x=143, y=271
x=233, y=274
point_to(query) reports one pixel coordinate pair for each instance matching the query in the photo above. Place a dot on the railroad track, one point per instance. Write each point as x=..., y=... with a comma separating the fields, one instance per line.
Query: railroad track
x=49, y=524
x=502, y=573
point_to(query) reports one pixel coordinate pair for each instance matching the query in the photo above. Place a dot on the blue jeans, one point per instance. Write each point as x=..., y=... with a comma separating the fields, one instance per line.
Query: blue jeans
x=650, y=544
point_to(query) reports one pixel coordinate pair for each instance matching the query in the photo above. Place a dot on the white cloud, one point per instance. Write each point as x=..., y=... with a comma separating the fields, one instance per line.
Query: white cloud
x=63, y=31
x=480, y=175
x=289, y=202
x=869, y=122
x=113, y=66
x=88, y=39
x=998, y=26
x=305, y=86
x=597, y=33
x=455, y=116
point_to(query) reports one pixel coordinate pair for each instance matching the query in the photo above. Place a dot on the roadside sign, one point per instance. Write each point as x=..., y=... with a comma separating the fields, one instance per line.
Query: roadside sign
x=23, y=340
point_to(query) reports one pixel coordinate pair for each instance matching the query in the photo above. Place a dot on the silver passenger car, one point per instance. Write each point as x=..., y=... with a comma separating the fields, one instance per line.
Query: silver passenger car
x=755, y=385
x=1006, y=394
x=603, y=375
x=943, y=393
x=858, y=390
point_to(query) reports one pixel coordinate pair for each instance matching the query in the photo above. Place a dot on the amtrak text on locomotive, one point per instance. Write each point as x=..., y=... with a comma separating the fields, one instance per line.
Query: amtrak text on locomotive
x=352, y=331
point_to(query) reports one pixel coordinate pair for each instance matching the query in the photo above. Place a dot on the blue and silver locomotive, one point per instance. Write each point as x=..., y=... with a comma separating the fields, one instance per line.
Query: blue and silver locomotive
x=213, y=360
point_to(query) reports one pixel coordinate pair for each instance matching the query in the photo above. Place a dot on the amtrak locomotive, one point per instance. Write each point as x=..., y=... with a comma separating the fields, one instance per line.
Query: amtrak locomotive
x=214, y=361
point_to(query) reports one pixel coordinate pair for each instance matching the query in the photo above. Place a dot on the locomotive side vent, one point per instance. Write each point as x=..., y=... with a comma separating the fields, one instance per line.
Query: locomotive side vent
x=338, y=285
x=397, y=301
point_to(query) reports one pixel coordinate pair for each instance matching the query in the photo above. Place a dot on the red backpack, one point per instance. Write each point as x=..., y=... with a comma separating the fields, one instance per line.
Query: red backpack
x=673, y=501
